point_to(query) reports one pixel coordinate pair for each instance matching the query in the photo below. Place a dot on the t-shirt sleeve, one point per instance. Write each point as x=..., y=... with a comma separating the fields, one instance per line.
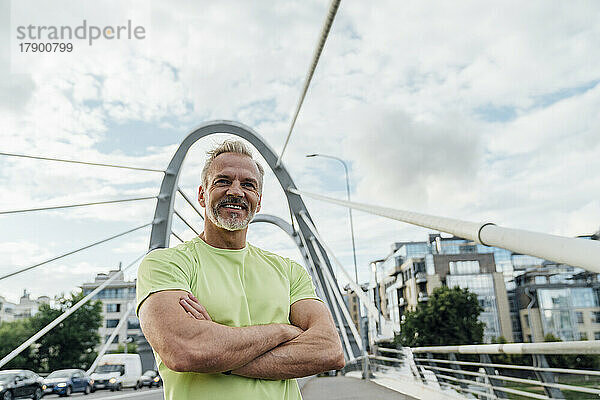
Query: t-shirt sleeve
x=301, y=284
x=162, y=269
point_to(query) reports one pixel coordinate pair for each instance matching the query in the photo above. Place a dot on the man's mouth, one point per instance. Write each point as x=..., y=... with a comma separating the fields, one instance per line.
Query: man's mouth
x=233, y=206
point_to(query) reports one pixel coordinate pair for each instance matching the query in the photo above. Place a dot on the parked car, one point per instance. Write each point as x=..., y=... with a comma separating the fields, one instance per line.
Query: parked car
x=20, y=384
x=117, y=371
x=63, y=382
x=150, y=378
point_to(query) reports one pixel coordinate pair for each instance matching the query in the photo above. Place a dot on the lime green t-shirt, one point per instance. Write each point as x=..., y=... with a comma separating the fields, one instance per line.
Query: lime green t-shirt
x=238, y=288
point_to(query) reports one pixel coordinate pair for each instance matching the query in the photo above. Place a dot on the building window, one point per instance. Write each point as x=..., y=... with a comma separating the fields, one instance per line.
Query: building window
x=596, y=318
x=133, y=323
x=583, y=336
x=113, y=308
x=540, y=280
x=115, y=339
x=584, y=297
x=112, y=323
x=464, y=267
x=579, y=315
x=467, y=248
x=597, y=335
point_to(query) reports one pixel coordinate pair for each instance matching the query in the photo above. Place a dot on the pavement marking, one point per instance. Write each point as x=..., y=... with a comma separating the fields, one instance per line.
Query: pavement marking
x=127, y=395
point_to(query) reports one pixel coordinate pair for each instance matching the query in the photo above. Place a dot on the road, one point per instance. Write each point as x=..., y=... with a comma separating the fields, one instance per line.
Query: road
x=143, y=394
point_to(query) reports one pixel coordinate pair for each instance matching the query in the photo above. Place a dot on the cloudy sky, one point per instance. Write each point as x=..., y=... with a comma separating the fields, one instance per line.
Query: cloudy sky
x=471, y=110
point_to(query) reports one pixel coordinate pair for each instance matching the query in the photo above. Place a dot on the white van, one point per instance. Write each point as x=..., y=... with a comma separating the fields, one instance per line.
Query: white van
x=117, y=371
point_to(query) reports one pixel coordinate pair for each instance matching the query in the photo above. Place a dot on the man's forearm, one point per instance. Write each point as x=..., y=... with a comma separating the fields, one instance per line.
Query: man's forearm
x=224, y=348
x=200, y=345
x=310, y=353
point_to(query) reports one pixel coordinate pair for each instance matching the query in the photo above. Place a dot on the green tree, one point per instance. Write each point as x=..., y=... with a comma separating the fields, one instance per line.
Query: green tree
x=450, y=317
x=12, y=335
x=132, y=348
x=70, y=344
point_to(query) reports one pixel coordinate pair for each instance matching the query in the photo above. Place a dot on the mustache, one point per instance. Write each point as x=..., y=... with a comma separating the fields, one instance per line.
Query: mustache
x=233, y=200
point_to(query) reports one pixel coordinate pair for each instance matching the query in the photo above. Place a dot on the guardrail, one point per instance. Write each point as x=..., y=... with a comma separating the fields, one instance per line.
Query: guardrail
x=486, y=371
x=493, y=371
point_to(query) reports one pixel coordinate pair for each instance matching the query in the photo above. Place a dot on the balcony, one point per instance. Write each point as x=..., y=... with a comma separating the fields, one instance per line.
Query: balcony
x=421, y=277
x=401, y=301
x=423, y=296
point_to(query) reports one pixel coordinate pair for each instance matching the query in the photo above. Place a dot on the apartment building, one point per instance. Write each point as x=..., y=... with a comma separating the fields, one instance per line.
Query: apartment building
x=559, y=300
x=410, y=274
x=117, y=298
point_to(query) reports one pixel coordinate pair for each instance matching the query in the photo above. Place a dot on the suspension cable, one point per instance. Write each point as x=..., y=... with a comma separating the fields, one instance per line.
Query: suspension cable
x=190, y=202
x=75, y=205
x=177, y=236
x=334, y=300
x=333, y=285
x=333, y=7
x=81, y=162
x=357, y=289
x=187, y=223
x=73, y=252
x=62, y=317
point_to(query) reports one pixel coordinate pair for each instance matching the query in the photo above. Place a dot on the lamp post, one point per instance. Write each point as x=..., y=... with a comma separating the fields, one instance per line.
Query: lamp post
x=363, y=324
x=349, y=209
x=374, y=265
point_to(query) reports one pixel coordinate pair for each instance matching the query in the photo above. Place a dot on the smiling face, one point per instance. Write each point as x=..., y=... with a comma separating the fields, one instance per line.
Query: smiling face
x=232, y=195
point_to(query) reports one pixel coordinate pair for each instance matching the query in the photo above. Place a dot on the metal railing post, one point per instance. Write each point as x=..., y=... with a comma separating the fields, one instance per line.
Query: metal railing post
x=431, y=364
x=412, y=364
x=452, y=357
x=365, y=328
x=490, y=372
x=539, y=360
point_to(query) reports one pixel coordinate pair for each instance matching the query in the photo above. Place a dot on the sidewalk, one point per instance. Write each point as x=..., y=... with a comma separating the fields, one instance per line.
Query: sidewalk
x=343, y=387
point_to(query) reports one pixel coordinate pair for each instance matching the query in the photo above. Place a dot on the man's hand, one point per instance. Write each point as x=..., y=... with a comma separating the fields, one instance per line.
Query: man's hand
x=193, y=307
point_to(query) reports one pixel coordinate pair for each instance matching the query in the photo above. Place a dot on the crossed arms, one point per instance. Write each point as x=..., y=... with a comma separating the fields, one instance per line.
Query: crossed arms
x=187, y=340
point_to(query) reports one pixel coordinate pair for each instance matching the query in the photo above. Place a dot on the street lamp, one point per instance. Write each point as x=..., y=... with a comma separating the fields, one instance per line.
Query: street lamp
x=349, y=209
x=377, y=295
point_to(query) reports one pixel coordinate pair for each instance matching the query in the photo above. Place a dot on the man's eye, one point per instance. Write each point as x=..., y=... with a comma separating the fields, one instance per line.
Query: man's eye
x=221, y=181
x=249, y=185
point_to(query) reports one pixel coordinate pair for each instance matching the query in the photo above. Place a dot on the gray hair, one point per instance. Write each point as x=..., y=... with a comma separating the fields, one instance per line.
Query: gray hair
x=230, y=146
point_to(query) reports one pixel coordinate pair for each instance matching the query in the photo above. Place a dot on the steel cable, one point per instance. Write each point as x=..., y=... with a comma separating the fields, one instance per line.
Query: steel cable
x=75, y=205
x=80, y=162
x=73, y=252
x=333, y=7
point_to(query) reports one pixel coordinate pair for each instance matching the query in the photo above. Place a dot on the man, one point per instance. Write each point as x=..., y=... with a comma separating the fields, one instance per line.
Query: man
x=228, y=320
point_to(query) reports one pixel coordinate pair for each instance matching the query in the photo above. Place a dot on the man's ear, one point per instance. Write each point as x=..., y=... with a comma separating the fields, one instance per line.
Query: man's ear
x=201, y=198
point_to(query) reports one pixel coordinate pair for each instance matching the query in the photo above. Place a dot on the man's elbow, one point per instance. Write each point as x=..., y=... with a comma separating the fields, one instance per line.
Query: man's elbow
x=338, y=361
x=178, y=362
x=190, y=362
x=336, y=358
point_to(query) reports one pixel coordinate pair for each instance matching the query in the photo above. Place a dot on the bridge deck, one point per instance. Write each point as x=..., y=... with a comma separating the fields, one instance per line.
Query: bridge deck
x=342, y=387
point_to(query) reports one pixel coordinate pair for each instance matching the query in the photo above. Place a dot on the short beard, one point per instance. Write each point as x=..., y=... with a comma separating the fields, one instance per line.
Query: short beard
x=232, y=223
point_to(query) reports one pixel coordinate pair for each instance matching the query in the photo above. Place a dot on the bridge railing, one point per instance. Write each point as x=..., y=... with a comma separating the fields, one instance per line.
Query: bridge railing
x=512, y=370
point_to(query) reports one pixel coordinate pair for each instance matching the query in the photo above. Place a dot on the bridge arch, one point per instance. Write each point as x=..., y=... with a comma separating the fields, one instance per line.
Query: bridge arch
x=314, y=252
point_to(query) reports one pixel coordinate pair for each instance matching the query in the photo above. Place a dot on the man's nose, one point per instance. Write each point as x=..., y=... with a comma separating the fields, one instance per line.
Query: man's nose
x=235, y=189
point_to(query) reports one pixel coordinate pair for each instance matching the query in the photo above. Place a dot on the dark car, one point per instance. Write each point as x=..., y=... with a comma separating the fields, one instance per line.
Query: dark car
x=150, y=378
x=63, y=382
x=20, y=384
